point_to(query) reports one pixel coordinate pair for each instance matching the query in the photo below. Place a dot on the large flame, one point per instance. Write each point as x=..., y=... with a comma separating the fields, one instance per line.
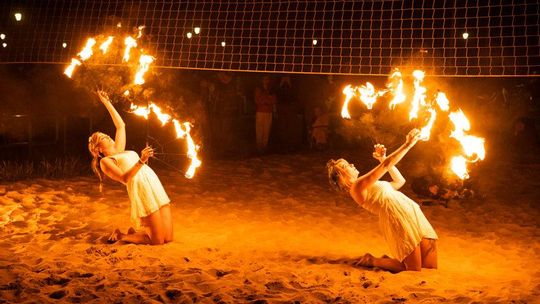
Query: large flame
x=425, y=132
x=459, y=167
x=473, y=146
x=130, y=43
x=87, y=50
x=442, y=101
x=144, y=65
x=182, y=131
x=395, y=85
x=69, y=70
x=368, y=95
x=105, y=45
x=419, y=96
x=349, y=94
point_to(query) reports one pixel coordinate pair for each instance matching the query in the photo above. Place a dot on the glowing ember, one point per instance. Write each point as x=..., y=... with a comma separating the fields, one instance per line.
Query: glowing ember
x=425, y=132
x=126, y=93
x=144, y=65
x=87, y=50
x=130, y=43
x=395, y=86
x=349, y=94
x=69, y=70
x=105, y=45
x=458, y=164
x=442, y=101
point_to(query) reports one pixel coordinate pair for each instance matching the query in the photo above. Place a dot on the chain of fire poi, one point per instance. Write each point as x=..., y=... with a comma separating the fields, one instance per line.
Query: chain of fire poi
x=472, y=146
x=182, y=128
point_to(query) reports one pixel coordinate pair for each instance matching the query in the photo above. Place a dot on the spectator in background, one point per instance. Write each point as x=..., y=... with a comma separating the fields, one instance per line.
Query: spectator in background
x=265, y=101
x=319, y=129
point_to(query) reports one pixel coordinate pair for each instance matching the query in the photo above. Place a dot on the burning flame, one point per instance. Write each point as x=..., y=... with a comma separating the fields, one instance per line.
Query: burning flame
x=182, y=131
x=442, y=101
x=192, y=147
x=425, y=132
x=140, y=28
x=87, y=50
x=349, y=93
x=396, y=87
x=473, y=146
x=419, y=94
x=126, y=93
x=144, y=65
x=69, y=70
x=130, y=43
x=459, y=167
x=105, y=45
x=368, y=95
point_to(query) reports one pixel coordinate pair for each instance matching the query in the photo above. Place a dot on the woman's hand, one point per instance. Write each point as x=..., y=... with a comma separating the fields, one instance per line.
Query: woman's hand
x=412, y=138
x=146, y=153
x=103, y=96
x=379, y=152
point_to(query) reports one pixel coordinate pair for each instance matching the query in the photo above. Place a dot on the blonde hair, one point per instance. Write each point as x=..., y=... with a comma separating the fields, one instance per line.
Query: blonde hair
x=334, y=177
x=93, y=146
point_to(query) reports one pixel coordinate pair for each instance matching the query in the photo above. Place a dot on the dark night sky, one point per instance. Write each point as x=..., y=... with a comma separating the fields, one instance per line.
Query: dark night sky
x=353, y=37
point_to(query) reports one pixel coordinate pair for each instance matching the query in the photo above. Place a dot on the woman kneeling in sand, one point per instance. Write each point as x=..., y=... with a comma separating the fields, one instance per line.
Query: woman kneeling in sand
x=149, y=201
x=411, y=238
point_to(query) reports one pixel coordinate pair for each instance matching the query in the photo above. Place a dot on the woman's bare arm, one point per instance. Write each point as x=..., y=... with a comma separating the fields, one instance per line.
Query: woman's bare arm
x=111, y=169
x=120, y=136
x=379, y=154
x=362, y=183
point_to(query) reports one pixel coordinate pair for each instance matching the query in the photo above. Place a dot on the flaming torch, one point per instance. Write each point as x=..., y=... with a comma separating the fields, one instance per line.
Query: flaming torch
x=472, y=146
x=144, y=65
x=349, y=94
x=396, y=87
x=105, y=45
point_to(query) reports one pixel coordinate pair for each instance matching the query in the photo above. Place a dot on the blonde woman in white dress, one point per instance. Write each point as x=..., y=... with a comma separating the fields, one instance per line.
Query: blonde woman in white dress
x=409, y=235
x=149, y=201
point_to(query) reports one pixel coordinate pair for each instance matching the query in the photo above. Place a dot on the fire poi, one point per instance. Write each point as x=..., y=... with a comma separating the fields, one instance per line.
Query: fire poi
x=182, y=129
x=472, y=146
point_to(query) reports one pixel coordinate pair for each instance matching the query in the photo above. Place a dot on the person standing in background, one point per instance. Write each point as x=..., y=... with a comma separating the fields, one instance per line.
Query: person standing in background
x=265, y=101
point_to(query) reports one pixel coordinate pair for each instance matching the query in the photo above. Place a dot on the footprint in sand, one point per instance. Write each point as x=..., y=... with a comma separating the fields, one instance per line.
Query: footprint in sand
x=57, y=295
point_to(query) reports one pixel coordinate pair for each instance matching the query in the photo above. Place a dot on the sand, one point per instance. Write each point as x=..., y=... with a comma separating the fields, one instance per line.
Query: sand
x=264, y=230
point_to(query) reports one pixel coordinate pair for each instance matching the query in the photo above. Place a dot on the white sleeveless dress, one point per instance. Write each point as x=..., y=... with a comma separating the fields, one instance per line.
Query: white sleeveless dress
x=402, y=222
x=145, y=191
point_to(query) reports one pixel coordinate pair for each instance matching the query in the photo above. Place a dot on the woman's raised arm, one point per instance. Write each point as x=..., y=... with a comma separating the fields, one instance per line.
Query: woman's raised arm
x=368, y=179
x=120, y=137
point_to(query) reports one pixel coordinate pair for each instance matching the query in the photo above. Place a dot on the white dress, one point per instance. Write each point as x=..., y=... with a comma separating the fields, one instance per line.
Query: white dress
x=145, y=191
x=402, y=222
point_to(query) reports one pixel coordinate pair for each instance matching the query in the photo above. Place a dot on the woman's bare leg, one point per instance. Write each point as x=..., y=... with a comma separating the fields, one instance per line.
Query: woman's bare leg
x=412, y=262
x=428, y=248
x=154, y=236
x=166, y=219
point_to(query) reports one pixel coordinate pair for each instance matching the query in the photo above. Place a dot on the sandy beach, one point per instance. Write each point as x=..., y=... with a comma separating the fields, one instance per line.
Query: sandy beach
x=264, y=230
